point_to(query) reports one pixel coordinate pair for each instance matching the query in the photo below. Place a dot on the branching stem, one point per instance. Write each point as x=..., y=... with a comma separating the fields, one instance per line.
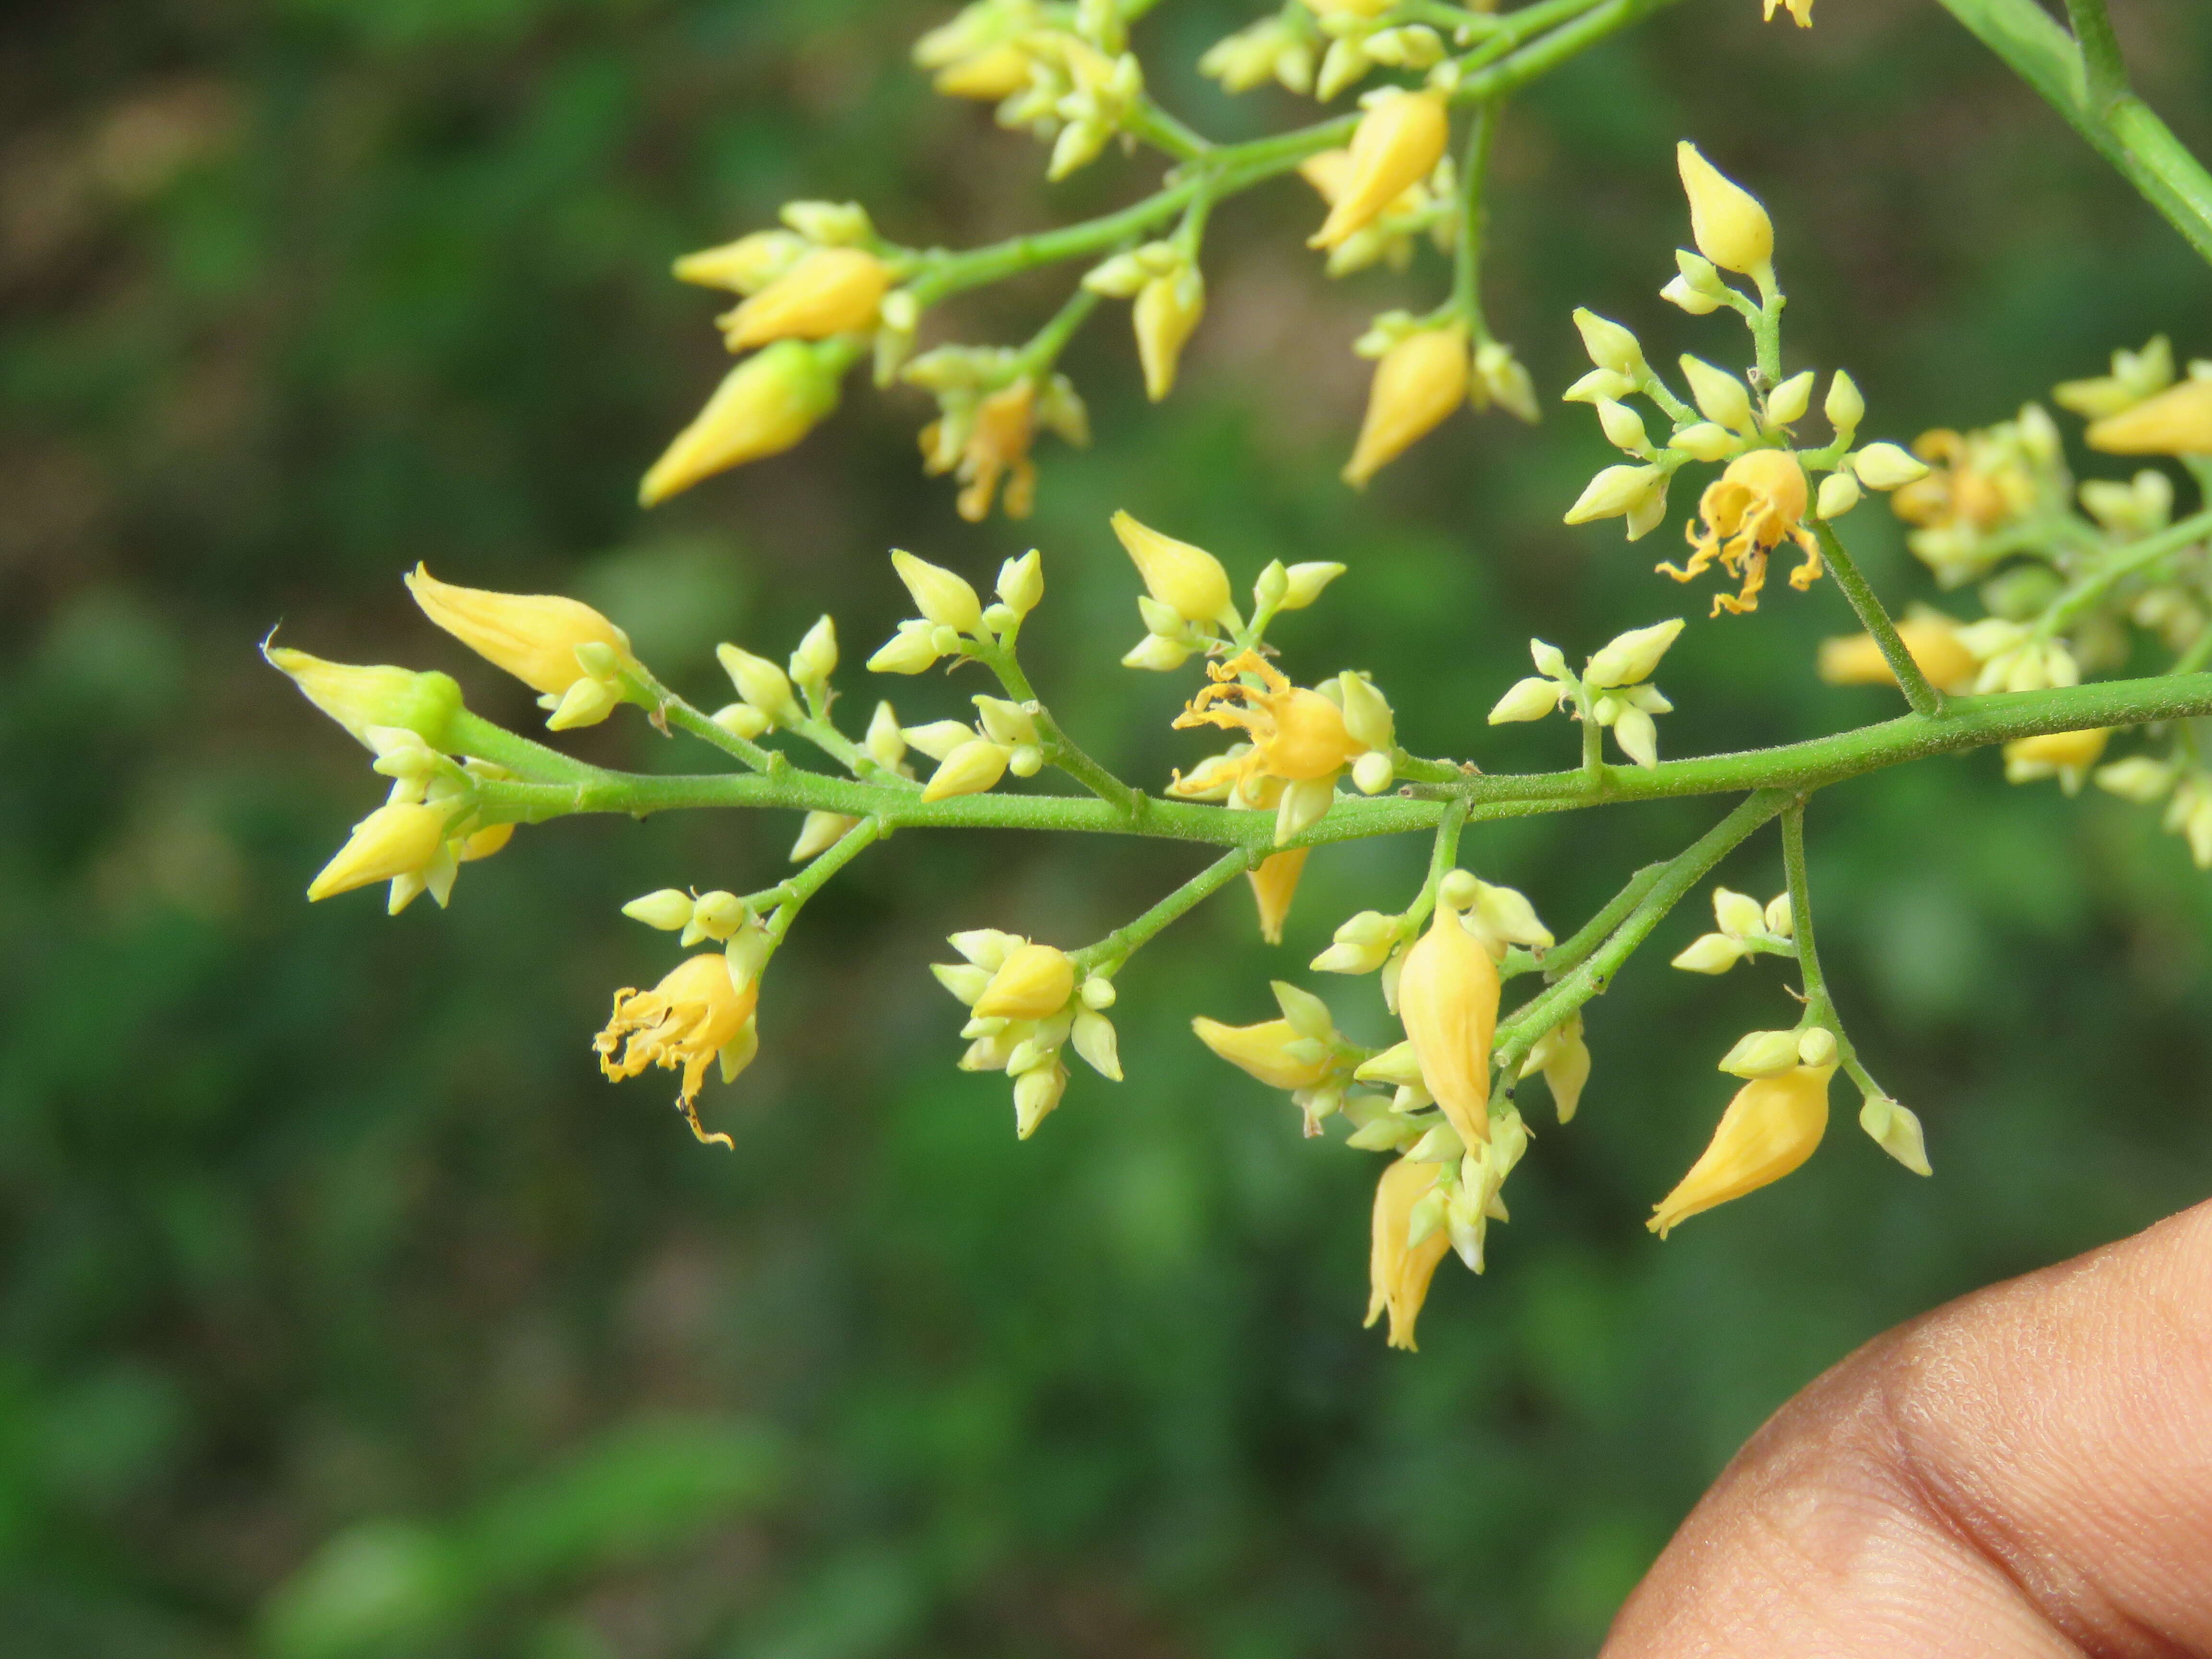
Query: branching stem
x=1924, y=698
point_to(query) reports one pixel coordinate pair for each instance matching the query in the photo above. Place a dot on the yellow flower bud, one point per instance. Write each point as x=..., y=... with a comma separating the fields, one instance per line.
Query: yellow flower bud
x=818, y=832
x=1615, y=490
x=1021, y=582
x=762, y=407
x=1398, y=1273
x=1448, y=1002
x=1274, y=885
x=1188, y=580
x=394, y=841
x=744, y=266
x=1399, y=139
x=1726, y=220
x=666, y=908
x=1896, y=1130
x=1631, y=657
x=482, y=843
x=360, y=698
x=831, y=290
x=1931, y=640
x=971, y=768
x=1259, y=1050
x=1720, y=396
x=940, y=596
x=1887, y=466
x=1710, y=953
x=995, y=73
x=533, y=636
x=1769, y=1129
x=1420, y=380
x=760, y=683
x=2176, y=421
x=1167, y=310
x=2066, y=755
x=1034, y=983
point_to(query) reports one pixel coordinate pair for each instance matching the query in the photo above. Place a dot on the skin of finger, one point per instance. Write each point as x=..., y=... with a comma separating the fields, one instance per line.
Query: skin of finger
x=2026, y=1471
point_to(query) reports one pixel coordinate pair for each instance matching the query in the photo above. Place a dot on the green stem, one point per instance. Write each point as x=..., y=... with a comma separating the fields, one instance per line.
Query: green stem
x=2105, y=71
x=1043, y=349
x=1108, y=954
x=1924, y=698
x=1766, y=330
x=679, y=713
x=478, y=739
x=2092, y=585
x=1971, y=722
x=2124, y=131
x=1676, y=878
x=1564, y=958
x=809, y=881
x=1442, y=857
x=1163, y=132
x=1820, y=1007
x=1466, y=263
x=1060, y=749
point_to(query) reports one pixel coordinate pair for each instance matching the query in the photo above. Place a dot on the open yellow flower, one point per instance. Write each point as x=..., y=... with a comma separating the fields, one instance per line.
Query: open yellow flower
x=1752, y=508
x=1299, y=745
x=698, y=1013
x=1770, y=1127
x=1398, y=1274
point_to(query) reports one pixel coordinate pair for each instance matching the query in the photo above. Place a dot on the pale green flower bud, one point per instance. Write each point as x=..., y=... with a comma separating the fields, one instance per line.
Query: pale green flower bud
x=909, y=651
x=1839, y=493
x=1787, y=404
x=1706, y=441
x=1761, y=1054
x=760, y=684
x=1526, y=700
x=1720, y=396
x=1614, y=491
x=1710, y=953
x=943, y=597
x=1611, y=347
x=1886, y=466
x=666, y=909
x=1896, y=1130
x=1632, y=656
x=1623, y=427
x=1845, y=407
x=815, y=658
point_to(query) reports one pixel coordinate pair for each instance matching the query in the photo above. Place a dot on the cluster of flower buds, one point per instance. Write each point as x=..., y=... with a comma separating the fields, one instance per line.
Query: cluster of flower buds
x=1424, y=207
x=1284, y=49
x=1026, y=1002
x=1069, y=79
x=1744, y=928
x=812, y=292
x=990, y=406
x=577, y=662
x=954, y=622
x=1187, y=606
x=1162, y=280
x=1613, y=689
x=1766, y=494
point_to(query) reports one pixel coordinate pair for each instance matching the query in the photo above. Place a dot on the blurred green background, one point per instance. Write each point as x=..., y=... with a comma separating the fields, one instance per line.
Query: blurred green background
x=346, y=1312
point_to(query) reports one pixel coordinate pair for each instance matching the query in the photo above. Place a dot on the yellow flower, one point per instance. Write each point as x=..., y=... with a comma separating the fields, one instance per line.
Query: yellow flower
x=1188, y=580
x=1448, y=995
x=1769, y=1129
x=1802, y=10
x=1726, y=220
x=696, y=1014
x=744, y=266
x=831, y=290
x=2066, y=755
x=1034, y=983
x=1931, y=638
x=359, y=698
x=1420, y=381
x=1399, y=139
x=392, y=842
x=1262, y=1049
x=541, y=639
x=997, y=446
x=1274, y=885
x=1398, y=1274
x=2176, y=421
x=1297, y=736
x=762, y=407
x=1753, y=508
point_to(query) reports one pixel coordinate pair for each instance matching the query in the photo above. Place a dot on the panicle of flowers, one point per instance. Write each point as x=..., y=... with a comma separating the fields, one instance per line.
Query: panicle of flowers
x=1770, y=491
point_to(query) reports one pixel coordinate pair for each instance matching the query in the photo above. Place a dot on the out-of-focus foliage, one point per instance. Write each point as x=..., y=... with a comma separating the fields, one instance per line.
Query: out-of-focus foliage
x=347, y=1313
